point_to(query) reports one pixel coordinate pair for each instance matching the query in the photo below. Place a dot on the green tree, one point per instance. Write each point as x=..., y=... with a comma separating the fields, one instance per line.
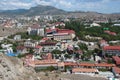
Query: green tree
x=56, y=52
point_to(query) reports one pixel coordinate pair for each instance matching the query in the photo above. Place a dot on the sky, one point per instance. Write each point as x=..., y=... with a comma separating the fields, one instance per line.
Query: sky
x=102, y=6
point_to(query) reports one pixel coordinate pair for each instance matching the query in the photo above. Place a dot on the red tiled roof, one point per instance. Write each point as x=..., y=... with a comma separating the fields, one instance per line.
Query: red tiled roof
x=105, y=65
x=66, y=31
x=111, y=48
x=86, y=70
x=51, y=30
x=35, y=26
x=112, y=33
x=70, y=64
x=98, y=65
x=60, y=30
x=38, y=46
x=116, y=59
x=45, y=38
x=41, y=62
x=20, y=47
x=49, y=56
x=109, y=32
x=29, y=56
x=117, y=70
x=87, y=64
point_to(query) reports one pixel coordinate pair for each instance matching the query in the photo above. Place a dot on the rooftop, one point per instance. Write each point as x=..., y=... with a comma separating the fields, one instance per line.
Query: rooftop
x=116, y=59
x=117, y=70
x=111, y=48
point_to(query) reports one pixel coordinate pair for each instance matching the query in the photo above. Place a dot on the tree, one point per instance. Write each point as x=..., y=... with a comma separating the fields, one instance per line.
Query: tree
x=50, y=68
x=83, y=46
x=67, y=56
x=56, y=52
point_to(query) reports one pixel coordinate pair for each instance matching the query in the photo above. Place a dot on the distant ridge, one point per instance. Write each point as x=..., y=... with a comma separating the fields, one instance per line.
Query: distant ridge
x=37, y=10
x=50, y=10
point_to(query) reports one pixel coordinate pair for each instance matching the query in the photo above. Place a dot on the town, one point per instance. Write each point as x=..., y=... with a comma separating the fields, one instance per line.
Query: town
x=68, y=45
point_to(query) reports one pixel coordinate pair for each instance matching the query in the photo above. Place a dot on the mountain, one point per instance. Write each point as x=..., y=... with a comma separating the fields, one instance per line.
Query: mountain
x=13, y=12
x=37, y=10
x=50, y=10
x=44, y=10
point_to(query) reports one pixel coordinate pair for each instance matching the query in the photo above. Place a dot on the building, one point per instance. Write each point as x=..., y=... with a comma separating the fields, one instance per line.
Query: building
x=116, y=59
x=30, y=44
x=104, y=66
x=49, y=46
x=96, y=65
x=64, y=35
x=36, y=29
x=88, y=71
x=116, y=72
x=87, y=65
x=59, y=24
x=17, y=37
x=111, y=50
x=43, y=63
x=103, y=43
x=116, y=24
x=21, y=50
x=110, y=33
x=37, y=49
x=94, y=24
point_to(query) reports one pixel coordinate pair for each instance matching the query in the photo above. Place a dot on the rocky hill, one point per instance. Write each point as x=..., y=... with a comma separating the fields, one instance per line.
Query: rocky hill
x=13, y=69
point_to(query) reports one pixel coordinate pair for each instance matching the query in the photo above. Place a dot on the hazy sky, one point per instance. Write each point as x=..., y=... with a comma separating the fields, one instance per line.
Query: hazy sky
x=103, y=6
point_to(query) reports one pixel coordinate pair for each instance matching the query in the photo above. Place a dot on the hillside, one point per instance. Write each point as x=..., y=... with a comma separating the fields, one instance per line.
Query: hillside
x=12, y=69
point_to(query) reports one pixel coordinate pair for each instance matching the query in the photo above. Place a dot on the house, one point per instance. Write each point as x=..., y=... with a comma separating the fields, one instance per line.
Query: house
x=37, y=49
x=8, y=24
x=94, y=24
x=110, y=33
x=36, y=29
x=17, y=37
x=30, y=44
x=59, y=24
x=44, y=39
x=111, y=50
x=91, y=37
x=21, y=50
x=28, y=59
x=116, y=72
x=116, y=59
x=88, y=71
x=103, y=43
x=49, y=45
